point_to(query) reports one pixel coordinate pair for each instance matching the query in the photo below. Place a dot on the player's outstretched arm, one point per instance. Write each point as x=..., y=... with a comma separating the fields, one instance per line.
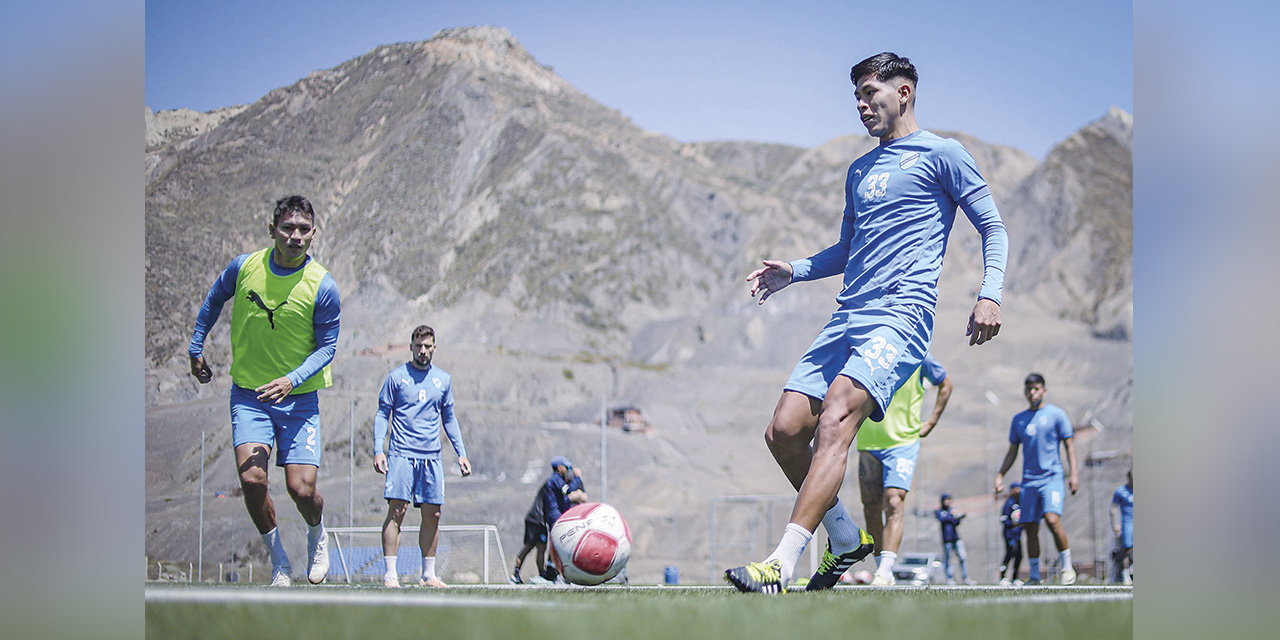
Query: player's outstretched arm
x=984, y=322
x=770, y=279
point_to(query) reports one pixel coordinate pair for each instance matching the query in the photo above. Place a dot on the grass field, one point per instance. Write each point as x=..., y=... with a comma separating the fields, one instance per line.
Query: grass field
x=608, y=612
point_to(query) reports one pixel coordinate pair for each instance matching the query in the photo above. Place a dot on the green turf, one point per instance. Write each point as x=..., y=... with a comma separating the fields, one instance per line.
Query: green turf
x=618, y=612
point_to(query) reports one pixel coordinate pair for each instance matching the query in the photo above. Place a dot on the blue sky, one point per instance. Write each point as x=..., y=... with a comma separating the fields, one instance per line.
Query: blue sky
x=1025, y=74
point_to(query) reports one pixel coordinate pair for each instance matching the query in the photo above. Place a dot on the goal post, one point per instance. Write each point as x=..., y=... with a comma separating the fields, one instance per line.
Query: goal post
x=355, y=553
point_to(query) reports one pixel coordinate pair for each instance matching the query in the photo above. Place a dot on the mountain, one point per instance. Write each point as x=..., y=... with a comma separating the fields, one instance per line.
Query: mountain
x=562, y=254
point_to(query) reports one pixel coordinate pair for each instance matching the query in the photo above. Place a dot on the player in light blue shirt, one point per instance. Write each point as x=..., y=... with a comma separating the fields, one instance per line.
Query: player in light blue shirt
x=415, y=404
x=900, y=203
x=1038, y=431
x=1122, y=505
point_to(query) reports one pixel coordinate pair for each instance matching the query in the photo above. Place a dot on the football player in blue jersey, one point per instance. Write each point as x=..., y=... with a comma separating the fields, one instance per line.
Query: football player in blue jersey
x=284, y=333
x=900, y=203
x=1038, y=431
x=1122, y=506
x=415, y=404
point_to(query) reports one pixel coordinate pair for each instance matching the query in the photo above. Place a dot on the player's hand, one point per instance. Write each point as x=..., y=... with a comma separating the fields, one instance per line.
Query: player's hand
x=380, y=463
x=926, y=428
x=984, y=322
x=1117, y=530
x=1073, y=484
x=577, y=472
x=998, y=485
x=275, y=391
x=465, y=465
x=774, y=277
x=200, y=369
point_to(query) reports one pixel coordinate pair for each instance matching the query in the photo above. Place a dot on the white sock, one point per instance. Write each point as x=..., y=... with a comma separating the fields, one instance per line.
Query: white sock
x=887, y=560
x=1064, y=559
x=1035, y=568
x=841, y=529
x=428, y=567
x=314, y=534
x=279, y=559
x=794, y=540
x=391, y=566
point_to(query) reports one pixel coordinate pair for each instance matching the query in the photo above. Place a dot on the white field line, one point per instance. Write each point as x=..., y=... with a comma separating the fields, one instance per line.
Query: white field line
x=373, y=598
x=1049, y=598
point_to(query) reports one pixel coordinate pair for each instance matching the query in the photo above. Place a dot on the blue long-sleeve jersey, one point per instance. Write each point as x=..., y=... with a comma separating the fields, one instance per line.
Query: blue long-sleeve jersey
x=900, y=203
x=326, y=316
x=415, y=405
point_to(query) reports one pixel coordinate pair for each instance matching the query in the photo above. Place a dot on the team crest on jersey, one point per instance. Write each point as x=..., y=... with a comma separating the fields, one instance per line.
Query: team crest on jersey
x=439, y=385
x=908, y=159
x=1031, y=429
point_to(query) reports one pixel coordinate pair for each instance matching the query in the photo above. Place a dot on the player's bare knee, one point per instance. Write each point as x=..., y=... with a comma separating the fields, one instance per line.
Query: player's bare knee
x=302, y=490
x=253, y=479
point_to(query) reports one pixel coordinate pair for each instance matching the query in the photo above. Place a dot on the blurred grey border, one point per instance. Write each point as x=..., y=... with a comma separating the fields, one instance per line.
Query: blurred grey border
x=71, y=543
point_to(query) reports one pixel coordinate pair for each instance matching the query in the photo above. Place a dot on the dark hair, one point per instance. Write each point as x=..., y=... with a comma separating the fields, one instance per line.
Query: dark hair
x=290, y=205
x=885, y=66
x=1034, y=378
x=423, y=331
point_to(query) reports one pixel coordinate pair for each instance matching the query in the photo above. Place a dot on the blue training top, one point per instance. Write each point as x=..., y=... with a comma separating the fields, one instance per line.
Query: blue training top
x=900, y=203
x=554, y=497
x=326, y=316
x=416, y=403
x=1038, y=432
x=949, y=521
x=1011, y=527
x=1124, y=498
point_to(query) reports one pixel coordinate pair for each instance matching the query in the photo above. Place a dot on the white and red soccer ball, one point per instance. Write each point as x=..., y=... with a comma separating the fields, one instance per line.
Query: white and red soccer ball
x=590, y=543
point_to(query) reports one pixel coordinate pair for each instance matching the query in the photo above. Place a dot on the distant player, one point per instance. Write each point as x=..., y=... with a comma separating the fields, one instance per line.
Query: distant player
x=888, y=450
x=415, y=404
x=284, y=332
x=562, y=489
x=1122, y=506
x=1039, y=430
x=951, y=542
x=900, y=202
x=1009, y=514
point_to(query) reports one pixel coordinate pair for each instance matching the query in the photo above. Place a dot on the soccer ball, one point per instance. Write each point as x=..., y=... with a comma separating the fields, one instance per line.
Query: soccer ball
x=862, y=577
x=590, y=543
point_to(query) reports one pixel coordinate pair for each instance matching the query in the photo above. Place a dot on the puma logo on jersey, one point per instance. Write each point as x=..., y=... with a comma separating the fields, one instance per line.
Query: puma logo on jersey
x=271, y=313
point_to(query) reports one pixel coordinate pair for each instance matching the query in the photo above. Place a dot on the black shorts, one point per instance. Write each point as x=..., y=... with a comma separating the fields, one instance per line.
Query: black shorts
x=535, y=533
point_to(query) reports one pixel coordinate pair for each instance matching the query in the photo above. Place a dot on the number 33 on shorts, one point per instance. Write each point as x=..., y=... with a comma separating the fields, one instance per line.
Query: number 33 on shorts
x=880, y=354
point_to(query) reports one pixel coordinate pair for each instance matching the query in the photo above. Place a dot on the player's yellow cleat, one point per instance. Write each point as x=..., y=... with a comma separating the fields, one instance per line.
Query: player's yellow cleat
x=757, y=577
x=833, y=566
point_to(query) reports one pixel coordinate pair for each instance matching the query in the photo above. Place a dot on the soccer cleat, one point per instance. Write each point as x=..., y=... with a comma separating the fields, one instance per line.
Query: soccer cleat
x=1032, y=582
x=1069, y=576
x=970, y=582
x=881, y=580
x=391, y=582
x=318, y=567
x=431, y=582
x=514, y=578
x=280, y=577
x=1004, y=582
x=833, y=566
x=951, y=582
x=758, y=577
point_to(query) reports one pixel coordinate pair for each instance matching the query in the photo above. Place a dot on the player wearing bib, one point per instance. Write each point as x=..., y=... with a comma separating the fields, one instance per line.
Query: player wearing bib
x=887, y=452
x=1122, y=504
x=414, y=405
x=1038, y=431
x=284, y=332
x=900, y=203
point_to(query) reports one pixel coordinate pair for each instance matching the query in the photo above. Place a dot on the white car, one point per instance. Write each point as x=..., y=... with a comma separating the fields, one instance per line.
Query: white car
x=919, y=569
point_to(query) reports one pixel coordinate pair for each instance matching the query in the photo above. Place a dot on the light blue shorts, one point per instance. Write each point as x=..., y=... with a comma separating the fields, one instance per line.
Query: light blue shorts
x=879, y=347
x=896, y=465
x=416, y=480
x=292, y=427
x=1040, y=497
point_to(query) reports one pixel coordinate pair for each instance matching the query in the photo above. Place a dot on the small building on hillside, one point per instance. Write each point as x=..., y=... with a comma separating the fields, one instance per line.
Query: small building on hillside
x=628, y=419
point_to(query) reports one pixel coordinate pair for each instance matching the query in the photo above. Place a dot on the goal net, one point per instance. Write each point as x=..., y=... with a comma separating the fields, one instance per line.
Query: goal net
x=465, y=554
